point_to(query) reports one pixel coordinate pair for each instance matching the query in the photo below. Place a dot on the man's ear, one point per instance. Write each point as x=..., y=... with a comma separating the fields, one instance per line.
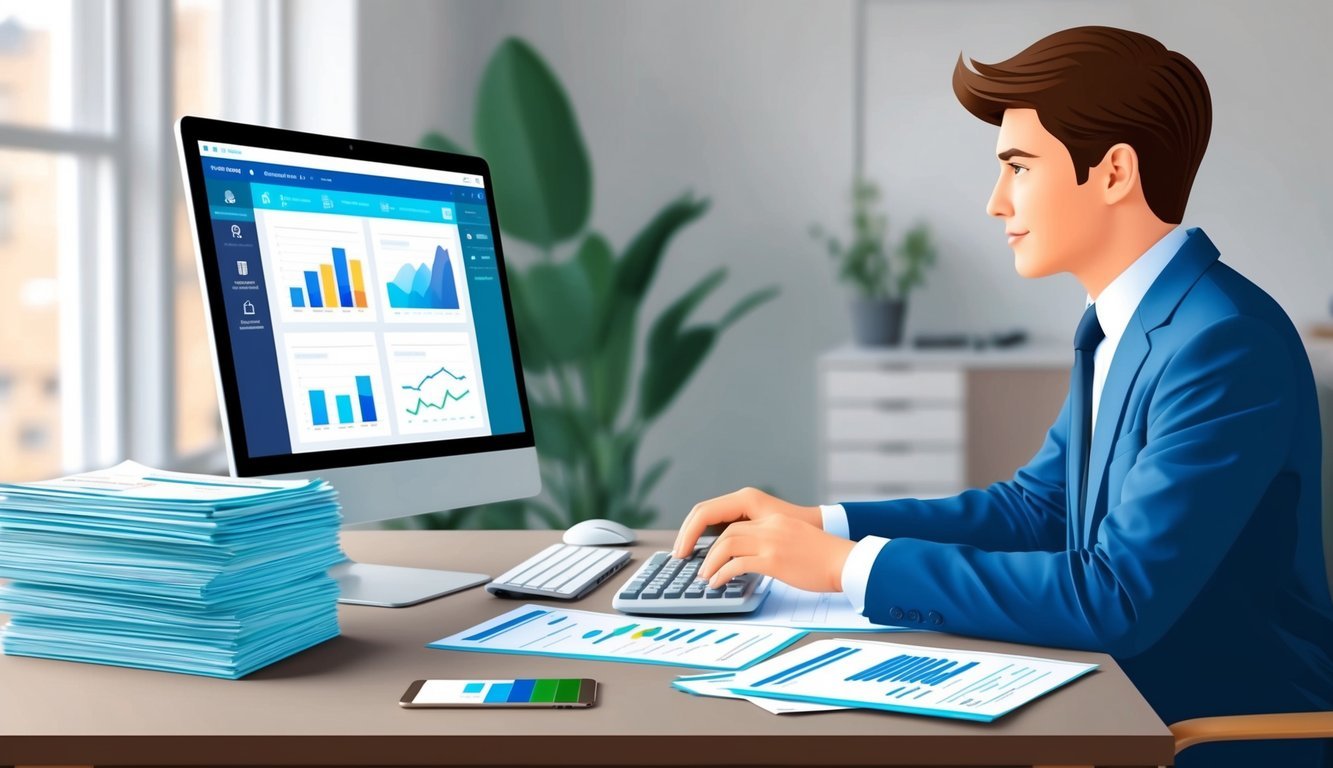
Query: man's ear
x=1119, y=173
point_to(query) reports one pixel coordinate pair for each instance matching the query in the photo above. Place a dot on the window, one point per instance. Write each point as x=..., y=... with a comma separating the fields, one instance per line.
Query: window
x=41, y=178
x=103, y=345
x=197, y=91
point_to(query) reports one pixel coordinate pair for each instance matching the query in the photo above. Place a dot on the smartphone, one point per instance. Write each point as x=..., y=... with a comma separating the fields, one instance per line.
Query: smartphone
x=552, y=693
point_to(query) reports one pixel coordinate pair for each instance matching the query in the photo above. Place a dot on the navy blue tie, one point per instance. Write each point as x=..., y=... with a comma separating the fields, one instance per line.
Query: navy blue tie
x=1086, y=339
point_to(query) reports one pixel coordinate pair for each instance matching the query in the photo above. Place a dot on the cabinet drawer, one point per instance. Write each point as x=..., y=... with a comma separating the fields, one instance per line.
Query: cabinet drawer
x=895, y=425
x=929, y=385
x=882, y=492
x=909, y=467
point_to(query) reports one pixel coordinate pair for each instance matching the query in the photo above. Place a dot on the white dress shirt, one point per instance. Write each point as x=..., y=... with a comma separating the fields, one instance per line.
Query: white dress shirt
x=1115, y=306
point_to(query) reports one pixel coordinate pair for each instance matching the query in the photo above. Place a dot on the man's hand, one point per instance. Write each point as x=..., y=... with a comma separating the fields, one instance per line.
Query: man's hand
x=745, y=504
x=780, y=546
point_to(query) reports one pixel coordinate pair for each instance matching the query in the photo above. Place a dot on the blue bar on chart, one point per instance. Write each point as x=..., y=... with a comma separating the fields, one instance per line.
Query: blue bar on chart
x=343, y=278
x=807, y=666
x=906, y=668
x=319, y=408
x=367, y=400
x=506, y=626
x=522, y=690
x=298, y=297
x=344, y=409
x=312, y=289
x=498, y=693
x=700, y=636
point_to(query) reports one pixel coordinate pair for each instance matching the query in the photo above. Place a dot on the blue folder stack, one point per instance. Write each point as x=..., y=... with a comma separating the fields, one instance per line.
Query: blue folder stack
x=138, y=567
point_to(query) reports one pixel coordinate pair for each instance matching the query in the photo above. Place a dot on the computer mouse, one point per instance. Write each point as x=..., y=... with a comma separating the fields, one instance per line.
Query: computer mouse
x=598, y=532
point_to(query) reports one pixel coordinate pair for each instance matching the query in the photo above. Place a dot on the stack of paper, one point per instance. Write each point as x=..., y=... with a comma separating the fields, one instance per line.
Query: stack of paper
x=139, y=567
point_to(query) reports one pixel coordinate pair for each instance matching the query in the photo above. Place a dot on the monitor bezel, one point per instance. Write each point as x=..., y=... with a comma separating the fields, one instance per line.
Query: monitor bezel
x=193, y=130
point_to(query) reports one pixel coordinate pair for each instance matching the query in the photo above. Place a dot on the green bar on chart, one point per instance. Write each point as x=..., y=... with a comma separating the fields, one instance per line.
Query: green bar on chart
x=568, y=690
x=544, y=690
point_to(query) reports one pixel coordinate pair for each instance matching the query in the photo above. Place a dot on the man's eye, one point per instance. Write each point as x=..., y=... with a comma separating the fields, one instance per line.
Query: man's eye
x=1017, y=168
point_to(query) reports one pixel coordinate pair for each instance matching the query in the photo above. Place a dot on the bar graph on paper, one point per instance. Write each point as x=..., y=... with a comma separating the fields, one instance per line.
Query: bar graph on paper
x=435, y=382
x=338, y=392
x=969, y=685
x=534, y=629
x=320, y=269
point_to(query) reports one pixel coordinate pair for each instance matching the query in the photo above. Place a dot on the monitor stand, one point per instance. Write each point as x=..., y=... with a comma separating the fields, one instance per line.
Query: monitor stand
x=392, y=586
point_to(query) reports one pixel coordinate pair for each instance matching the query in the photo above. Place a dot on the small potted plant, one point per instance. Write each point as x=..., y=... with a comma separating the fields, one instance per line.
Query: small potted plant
x=882, y=283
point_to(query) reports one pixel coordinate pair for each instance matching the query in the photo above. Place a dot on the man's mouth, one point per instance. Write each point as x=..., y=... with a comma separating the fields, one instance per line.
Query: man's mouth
x=1014, y=236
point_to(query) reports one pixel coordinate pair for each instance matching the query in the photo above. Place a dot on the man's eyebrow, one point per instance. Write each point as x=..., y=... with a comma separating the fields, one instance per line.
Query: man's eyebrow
x=1008, y=153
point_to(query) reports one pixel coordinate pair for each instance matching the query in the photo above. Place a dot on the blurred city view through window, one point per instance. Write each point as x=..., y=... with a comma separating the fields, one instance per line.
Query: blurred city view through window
x=39, y=67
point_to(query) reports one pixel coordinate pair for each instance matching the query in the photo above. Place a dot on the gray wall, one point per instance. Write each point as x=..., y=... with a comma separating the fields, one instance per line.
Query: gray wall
x=752, y=104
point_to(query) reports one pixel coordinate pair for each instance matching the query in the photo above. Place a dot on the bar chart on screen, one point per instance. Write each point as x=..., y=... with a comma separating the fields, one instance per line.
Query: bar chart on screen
x=435, y=382
x=322, y=271
x=532, y=629
x=338, y=392
x=969, y=685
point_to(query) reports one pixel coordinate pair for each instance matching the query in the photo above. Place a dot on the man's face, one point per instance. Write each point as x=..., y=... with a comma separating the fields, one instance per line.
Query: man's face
x=1053, y=223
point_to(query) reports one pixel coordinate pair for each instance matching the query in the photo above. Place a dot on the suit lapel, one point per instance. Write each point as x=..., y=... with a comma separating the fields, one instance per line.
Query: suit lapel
x=1129, y=357
x=1155, y=310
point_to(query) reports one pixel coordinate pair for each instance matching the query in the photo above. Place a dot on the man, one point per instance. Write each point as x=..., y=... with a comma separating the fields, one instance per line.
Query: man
x=1172, y=517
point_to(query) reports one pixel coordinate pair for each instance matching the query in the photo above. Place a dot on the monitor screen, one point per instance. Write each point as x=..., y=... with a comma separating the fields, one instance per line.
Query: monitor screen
x=357, y=301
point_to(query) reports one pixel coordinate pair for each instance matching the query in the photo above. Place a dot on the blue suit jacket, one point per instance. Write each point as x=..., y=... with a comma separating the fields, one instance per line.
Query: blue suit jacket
x=1200, y=556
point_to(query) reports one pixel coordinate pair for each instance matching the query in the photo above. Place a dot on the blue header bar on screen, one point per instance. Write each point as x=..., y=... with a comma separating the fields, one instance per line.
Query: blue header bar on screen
x=318, y=178
x=313, y=200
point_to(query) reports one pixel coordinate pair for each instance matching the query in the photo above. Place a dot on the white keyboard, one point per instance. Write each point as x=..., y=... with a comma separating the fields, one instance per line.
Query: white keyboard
x=560, y=571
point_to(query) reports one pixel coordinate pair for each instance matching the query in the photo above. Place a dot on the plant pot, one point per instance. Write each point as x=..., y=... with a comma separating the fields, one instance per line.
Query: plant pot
x=878, y=322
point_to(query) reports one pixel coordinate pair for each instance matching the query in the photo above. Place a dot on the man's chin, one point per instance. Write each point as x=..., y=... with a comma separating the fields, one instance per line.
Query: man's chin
x=1028, y=266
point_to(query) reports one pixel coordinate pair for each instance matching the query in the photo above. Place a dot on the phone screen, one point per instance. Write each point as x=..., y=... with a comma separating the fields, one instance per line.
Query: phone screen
x=521, y=692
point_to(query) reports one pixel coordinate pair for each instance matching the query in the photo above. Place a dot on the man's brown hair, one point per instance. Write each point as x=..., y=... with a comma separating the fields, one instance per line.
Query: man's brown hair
x=1094, y=87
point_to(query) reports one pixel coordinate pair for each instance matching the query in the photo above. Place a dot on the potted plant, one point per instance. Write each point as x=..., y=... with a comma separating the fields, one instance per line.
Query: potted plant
x=595, y=384
x=882, y=284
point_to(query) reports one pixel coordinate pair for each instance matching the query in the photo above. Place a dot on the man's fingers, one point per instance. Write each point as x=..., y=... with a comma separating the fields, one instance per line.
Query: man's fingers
x=729, y=545
x=722, y=509
x=733, y=568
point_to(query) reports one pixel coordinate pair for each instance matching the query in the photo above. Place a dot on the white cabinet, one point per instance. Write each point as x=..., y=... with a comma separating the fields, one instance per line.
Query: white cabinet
x=897, y=423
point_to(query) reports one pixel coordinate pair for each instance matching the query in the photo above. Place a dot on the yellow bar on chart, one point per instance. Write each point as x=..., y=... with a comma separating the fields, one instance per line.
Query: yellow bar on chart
x=330, y=287
x=358, y=285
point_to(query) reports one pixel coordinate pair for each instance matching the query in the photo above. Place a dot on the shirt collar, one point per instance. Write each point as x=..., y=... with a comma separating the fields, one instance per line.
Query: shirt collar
x=1119, y=300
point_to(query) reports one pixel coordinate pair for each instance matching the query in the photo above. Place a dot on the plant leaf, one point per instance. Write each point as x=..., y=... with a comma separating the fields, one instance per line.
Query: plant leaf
x=666, y=372
x=668, y=324
x=530, y=346
x=747, y=304
x=560, y=301
x=526, y=129
x=638, y=265
x=599, y=265
x=441, y=143
x=556, y=433
x=608, y=369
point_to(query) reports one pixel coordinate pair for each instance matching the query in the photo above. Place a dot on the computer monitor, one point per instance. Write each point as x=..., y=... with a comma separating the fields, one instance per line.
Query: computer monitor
x=361, y=328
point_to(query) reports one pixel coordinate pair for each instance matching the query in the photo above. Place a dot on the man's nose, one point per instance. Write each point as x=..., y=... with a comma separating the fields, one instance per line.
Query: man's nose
x=998, y=205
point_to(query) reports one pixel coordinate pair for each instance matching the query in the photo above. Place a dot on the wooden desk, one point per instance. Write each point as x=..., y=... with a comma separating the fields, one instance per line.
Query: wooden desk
x=337, y=704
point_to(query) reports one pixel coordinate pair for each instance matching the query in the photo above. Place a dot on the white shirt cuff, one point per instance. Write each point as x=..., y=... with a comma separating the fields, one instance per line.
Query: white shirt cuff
x=835, y=520
x=856, y=571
